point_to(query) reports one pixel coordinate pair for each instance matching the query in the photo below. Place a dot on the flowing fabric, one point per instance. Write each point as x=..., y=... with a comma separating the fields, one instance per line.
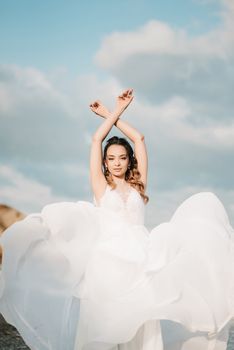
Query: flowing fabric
x=90, y=276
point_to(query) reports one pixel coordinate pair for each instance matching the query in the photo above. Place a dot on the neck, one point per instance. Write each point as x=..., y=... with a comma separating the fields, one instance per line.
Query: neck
x=119, y=181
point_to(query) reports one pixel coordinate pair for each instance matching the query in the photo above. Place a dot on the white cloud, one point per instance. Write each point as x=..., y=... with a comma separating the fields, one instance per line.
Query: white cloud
x=159, y=38
x=153, y=37
x=38, y=121
x=28, y=84
x=76, y=170
x=174, y=115
x=24, y=193
x=228, y=14
x=185, y=83
x=90, y=87
x=5, y=102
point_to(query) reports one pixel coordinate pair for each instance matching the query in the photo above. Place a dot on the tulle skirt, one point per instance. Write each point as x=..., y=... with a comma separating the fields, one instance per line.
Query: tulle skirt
x=76, y=277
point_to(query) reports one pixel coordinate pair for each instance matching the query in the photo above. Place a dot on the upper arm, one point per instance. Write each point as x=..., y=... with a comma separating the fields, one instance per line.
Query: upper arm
x=97, y=178
x=142, y=158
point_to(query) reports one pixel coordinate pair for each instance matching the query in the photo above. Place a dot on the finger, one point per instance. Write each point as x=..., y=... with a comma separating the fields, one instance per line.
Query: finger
x=93, y=109
x=93, y=104
x=130, y=92
x=124, y=93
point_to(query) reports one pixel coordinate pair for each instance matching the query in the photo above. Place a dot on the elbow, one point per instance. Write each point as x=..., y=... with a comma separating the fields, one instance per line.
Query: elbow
x=140, y=137
x=96, y=139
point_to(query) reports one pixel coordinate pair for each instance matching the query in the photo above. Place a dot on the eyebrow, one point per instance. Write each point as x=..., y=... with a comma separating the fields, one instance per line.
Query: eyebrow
x=112, y=155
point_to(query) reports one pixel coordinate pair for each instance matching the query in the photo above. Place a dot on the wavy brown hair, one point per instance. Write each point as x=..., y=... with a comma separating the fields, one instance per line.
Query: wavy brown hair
x=132, y=175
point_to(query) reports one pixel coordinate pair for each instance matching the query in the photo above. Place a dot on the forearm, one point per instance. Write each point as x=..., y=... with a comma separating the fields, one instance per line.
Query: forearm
x=132, y=133
x=128, y=130
x=105, y=127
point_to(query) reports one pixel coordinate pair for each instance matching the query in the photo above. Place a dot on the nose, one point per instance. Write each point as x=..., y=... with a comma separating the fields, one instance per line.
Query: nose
x=117, y=162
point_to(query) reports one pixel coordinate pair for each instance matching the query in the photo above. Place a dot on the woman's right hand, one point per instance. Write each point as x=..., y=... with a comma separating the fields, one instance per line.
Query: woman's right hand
x=98, y=108
x=123, y=101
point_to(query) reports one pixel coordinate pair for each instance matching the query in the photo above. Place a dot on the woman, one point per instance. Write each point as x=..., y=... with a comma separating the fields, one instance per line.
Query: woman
x=116, y=157
x=89, y=276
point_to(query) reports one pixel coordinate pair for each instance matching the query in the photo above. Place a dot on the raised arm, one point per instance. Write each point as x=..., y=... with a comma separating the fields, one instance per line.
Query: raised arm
x=133, y=134
x=97, y=178
x=139, y=147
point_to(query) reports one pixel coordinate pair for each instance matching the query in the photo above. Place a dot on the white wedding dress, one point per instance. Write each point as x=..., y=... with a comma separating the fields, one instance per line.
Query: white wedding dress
x=82, y=276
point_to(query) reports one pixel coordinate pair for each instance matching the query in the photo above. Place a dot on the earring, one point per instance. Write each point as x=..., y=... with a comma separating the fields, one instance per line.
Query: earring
x=106, y=168
x=129, y=166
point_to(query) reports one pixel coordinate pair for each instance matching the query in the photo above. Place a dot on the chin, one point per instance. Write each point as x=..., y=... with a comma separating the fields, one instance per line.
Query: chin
x=118, y=174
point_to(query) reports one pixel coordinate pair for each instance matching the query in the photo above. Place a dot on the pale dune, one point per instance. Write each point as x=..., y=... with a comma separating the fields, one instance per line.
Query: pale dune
x=8, y=216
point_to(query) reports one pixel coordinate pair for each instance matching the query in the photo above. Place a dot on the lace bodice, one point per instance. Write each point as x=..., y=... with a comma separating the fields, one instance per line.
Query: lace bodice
x=131, y=207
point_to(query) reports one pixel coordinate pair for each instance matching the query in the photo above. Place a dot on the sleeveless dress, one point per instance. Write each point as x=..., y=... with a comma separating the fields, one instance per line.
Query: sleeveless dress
x=90, y=276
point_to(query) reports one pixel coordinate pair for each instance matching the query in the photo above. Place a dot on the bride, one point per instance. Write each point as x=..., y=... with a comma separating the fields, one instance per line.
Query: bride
x=90, y=276
x=122, y=168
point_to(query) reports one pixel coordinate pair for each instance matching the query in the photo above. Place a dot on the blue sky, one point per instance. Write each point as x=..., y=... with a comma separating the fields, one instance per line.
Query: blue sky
x=57, y=56
x=49, y=34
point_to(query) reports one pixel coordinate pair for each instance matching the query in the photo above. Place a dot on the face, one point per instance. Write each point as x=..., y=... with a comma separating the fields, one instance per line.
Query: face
x=117, y=160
